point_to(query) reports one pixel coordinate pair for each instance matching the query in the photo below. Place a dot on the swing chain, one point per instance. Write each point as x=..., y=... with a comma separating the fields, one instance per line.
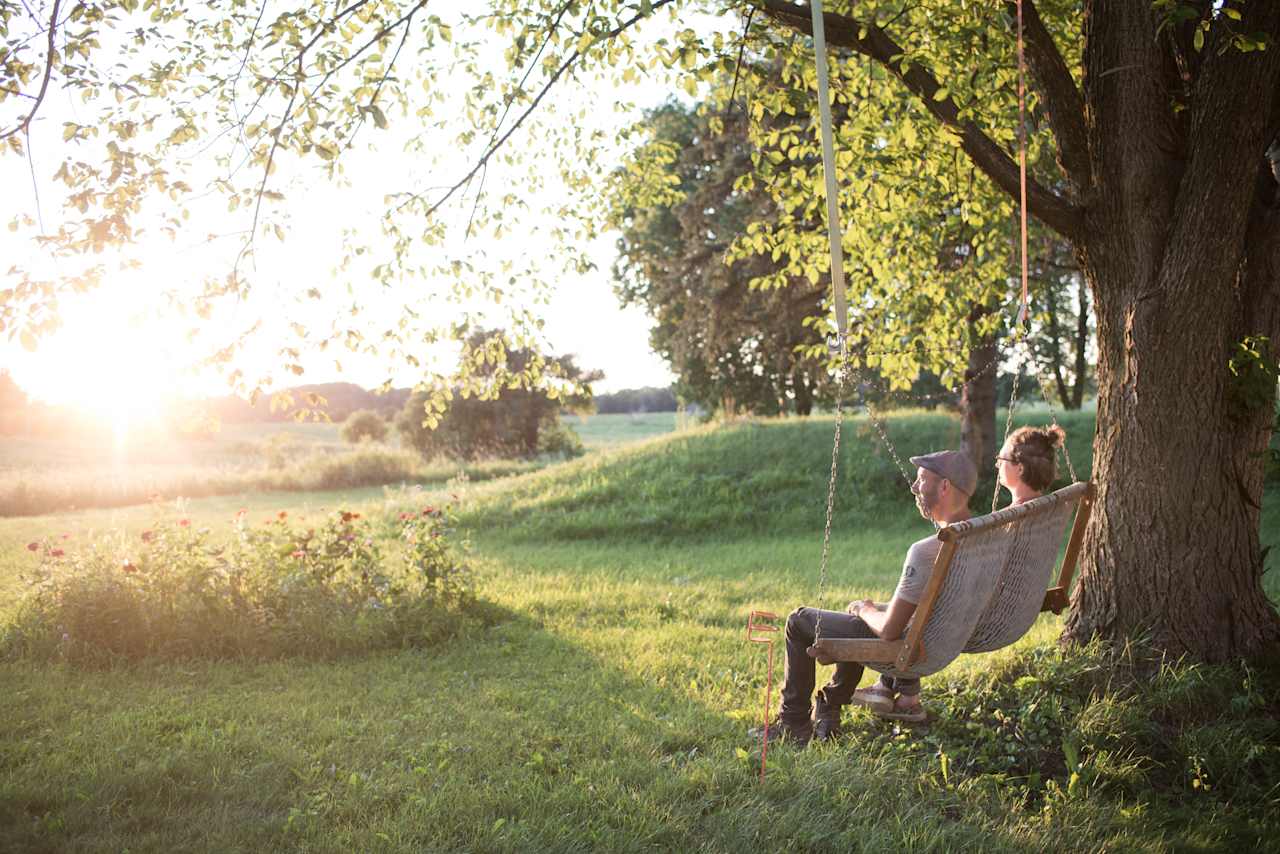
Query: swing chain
x=842, y=379
x=1053, y=415
x=1008, y=428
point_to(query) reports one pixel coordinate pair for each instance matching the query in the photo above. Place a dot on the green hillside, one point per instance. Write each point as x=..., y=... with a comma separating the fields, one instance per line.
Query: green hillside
x=753, y=476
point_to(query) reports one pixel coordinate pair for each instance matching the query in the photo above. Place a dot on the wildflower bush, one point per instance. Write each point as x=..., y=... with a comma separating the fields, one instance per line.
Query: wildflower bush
x=345, y=585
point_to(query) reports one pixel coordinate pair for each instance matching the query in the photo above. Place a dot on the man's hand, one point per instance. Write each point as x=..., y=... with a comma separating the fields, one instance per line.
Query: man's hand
x=820, y=656
x=855, y=607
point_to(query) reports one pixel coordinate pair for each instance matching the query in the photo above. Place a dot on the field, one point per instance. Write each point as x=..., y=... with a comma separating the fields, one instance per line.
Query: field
x=604, y=703
x=46, y=475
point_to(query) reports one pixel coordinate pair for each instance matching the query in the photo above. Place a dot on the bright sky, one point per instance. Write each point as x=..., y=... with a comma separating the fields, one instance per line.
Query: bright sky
x=122, y=349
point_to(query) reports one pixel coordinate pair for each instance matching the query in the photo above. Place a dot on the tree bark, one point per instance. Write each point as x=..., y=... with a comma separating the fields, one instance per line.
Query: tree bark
x=1180, y=255
x=1082, y=344
x=1055, y=343
x=803, y=394
x=978, y=404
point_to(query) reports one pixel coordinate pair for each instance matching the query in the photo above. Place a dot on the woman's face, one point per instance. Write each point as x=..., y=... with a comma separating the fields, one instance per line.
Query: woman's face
x=1008, y=473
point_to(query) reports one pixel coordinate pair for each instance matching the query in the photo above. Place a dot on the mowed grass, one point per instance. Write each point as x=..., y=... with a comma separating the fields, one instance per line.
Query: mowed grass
x=601, y=432
x=604, y=710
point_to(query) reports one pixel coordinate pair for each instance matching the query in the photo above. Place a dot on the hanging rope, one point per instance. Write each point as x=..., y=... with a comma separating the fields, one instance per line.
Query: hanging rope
x=1022, y=164
x=837, y=285
x=829, y=173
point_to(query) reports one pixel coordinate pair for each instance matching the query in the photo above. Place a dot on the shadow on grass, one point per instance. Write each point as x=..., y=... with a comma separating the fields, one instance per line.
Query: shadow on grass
x=513, y=738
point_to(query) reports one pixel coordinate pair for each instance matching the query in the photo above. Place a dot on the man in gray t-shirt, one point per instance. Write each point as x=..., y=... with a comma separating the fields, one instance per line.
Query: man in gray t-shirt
x=916, y=569
x=945, y=480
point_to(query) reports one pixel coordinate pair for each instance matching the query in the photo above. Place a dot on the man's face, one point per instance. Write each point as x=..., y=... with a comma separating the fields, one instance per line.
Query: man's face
x=927, y=489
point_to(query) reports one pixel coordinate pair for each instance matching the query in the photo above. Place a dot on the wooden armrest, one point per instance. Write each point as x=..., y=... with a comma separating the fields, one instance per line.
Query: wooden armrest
x=1055, y=600
x=869, y=650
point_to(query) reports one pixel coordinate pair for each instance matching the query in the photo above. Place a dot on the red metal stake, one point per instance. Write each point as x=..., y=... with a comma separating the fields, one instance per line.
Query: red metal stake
x=760, y=621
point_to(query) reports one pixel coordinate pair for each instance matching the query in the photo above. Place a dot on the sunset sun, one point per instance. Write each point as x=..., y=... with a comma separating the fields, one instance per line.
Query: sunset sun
x=111, y=361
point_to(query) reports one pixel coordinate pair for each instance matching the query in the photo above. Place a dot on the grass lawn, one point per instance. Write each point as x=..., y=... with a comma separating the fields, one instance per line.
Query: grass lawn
x=605, y=705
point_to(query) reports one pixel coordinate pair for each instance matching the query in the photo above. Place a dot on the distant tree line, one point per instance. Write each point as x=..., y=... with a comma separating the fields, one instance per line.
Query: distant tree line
x=335, y=400
x=647, y=399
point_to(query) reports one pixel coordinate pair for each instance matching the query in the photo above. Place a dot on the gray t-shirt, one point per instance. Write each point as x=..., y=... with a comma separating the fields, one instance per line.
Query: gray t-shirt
x=917, y=568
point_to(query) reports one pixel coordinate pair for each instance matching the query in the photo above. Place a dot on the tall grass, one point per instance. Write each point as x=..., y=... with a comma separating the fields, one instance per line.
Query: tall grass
x=40, y=476
x=28, y=493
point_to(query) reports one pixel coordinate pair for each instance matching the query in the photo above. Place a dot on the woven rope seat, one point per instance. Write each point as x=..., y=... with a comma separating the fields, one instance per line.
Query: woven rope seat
x=989, y=584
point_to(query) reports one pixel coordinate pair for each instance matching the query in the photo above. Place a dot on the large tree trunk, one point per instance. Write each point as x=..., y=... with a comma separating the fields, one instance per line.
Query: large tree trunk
x=1055, y=343
x=803, y=393
x=1173, y=548
x=978, y=404
x=1180, y=253
x=1082, y=346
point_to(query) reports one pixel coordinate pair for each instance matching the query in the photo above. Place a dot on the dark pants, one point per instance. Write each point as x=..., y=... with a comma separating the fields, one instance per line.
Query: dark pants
x=801, y=669
x=905, y=687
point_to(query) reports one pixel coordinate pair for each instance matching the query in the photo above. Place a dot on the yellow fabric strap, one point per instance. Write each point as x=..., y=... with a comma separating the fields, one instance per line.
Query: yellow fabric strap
x=829, y=171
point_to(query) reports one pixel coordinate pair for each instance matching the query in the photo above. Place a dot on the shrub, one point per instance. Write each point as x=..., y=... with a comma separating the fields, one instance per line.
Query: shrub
x=557, y=439
x=269, y=591
x=507, y=402
x=365, y=466
x=364, y=424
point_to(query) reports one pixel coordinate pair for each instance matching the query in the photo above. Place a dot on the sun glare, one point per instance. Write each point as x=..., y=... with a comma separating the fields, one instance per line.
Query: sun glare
x=110, y=360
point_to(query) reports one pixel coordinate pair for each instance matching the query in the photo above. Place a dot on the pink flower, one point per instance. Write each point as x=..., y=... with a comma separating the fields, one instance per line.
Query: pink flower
x=283, y=514
x=427, y=511
x=33, y=547
x=57, y=553
x=66, y=536
x=298, y=553
x=128, y=566
x=183, y=523
x=148, y=536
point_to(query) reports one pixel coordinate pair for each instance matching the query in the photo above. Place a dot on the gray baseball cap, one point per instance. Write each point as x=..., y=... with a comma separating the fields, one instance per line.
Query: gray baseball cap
x=955, y=466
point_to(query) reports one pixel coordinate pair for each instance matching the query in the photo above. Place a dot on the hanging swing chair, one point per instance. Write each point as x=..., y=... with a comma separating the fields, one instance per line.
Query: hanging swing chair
x=990, y=582
x=992, y=576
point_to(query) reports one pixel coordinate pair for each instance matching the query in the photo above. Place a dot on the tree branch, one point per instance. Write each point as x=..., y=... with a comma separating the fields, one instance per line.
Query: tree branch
x=533, y=106
x=25, y=124
x=1062, y=100
x=842, y=31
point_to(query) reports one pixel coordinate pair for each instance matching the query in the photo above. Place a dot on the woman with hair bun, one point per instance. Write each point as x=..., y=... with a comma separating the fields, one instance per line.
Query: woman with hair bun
x=1027, y=464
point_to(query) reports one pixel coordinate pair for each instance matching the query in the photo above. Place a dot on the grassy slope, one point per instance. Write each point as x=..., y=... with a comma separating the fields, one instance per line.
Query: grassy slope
x=603, y=711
